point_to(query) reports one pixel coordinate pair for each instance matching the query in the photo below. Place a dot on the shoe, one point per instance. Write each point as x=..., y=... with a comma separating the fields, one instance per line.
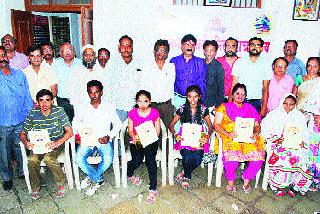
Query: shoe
x=85, y=183
x=246, y=189
x=152, y=197
x=35, y=195
x=61, y=192
x=185, y=183
x=93, y=188
x=279, y=192
x=136, y=180
x=7, y=185
x=231, y=188
x=180, y=177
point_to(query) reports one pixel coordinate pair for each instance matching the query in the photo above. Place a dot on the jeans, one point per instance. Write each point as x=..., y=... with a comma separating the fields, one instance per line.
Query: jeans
x=9, y=141
x=190, y=161
x=178, y=101
x=149, y=152
x=122, y=114
x=95, y=173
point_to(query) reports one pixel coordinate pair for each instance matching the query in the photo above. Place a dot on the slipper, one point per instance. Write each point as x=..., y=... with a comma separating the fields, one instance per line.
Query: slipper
x=279, y=192
x=231, y=188
x=246, y=189
x=61, y=192
x=35, y=195
x=135, y=180
x=180, y=177
x=185, y=183
x=152, y=196
x=292, y=192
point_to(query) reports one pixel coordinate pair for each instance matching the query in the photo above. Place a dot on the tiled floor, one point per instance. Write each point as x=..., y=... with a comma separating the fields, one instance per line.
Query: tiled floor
x=171, y=199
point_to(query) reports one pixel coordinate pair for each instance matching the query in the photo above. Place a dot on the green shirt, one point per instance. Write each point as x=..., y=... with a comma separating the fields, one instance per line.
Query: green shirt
x=298, y=81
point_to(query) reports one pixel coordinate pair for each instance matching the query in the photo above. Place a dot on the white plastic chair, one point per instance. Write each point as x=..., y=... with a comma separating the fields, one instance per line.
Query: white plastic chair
x=96, y=160
x=220, y=166
x=63, y=158
x=160, y=157
x=266, y=167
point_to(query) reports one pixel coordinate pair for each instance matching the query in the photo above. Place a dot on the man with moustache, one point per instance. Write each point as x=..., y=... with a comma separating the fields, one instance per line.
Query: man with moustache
x=16, y=59
x=62, y=68
x=127, y=78
x=103, y=57
x=190, y=70
x=227, y=61
x=255, y=72
x=47, y=52
x=39, y=75
x=14, y=106
x=296, y=66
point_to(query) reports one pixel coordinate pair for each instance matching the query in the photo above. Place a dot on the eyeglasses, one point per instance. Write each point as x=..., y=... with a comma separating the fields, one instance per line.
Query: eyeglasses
x=162, y=51
x=255, y=45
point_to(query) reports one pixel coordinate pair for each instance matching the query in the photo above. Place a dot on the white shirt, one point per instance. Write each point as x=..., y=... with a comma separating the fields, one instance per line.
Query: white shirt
x=127, y=82
x=252, y=74
x=160, y=83
x=101, y=118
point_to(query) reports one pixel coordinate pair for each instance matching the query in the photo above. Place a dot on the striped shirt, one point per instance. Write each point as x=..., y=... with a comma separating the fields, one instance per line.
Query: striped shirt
x=55, y=122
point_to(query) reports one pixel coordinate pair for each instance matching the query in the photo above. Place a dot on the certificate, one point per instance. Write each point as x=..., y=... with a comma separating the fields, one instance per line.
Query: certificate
x=191, y=134
x=40, y=139
x=88, y=137
x=292, y=136
x=147, y=133
x=244, y=129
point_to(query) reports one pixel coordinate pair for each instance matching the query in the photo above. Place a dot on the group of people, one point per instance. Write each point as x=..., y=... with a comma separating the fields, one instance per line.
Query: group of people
x=71, y=97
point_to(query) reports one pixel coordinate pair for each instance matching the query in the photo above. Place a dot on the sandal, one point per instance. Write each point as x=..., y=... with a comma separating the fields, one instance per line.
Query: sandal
x=292, y=192
x=61, y=192
x=185, y=183
x=35, y=195
x=180, y=177
x=279, y=192
x=135, y=180
x=231, y=188
x=246, y=189
x=152, y=196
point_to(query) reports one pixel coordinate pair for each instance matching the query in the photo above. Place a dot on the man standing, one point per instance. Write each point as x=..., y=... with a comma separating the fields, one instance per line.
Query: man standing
x=190, y=70
x=214, y=75
x=127, y=78
x=161, y=76
x=103, y=57
x=62, y=68
x=227, y=61
x=97, y=116
x=14, y=106
x=255, y=72
x=39, y=75
x=55, y=121
x=16, y=59
x=295, y=67
x=47, y=52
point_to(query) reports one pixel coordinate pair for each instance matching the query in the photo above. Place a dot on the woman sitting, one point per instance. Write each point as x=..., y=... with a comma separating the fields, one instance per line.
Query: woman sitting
x=289, y=160
x=235, y=152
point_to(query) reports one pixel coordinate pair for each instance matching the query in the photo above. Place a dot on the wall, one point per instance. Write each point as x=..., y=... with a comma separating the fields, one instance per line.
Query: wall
x=5, y=11
x=148, y=20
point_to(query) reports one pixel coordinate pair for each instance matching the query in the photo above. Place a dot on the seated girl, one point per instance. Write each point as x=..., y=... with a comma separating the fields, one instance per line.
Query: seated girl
x=193, y=112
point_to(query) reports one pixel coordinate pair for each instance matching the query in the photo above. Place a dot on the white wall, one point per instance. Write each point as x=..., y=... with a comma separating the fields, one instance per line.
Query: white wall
x=148, y=20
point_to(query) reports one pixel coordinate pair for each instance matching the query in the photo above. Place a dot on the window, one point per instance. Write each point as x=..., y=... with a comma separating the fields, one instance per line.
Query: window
x=57, y=5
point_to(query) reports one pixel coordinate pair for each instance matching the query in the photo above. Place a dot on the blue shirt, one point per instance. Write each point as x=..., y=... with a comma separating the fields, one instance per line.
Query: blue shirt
x=15, y=98
x=296, y=67
x=62, y=71
x=189, y=73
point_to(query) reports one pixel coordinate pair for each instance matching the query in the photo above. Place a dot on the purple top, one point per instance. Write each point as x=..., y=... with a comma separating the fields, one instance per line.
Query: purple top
x=245, y=111
x=189, y=73
x=19, y=61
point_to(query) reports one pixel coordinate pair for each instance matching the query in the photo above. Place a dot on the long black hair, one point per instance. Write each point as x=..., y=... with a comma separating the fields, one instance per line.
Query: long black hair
x=186, y=115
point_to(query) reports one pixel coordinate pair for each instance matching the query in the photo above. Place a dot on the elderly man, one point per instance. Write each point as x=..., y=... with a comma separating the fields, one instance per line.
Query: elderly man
x=103, y=57
x=127, y=77
x=255, y=72
x=190, y=70
x=227, y=61
x=296, y=66
x=62, y=67
x=161, y=76
x=214, y=75
x=47, y=52
x=14, y=106
x=98, y=116
x=39, y=75
x=82, y=74
x=54, y=120
x=16, y=59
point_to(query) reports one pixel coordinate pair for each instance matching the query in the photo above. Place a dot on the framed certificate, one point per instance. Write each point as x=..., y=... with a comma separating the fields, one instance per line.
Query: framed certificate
x=88, y=137
x=147, y=133
x=244, y=129
x=40, y=139
x=191, y=134
x=292, y=136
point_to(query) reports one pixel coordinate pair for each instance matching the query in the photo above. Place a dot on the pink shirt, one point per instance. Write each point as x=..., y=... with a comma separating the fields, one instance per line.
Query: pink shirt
x=228, y=74
x=277, y=89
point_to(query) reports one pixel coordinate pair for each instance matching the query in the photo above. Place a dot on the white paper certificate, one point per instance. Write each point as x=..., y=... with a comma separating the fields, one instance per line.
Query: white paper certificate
x=191, y=134
x=147, y=133
x=88, y=137
x=40, y=139
x=244, y=129
x=292, y=136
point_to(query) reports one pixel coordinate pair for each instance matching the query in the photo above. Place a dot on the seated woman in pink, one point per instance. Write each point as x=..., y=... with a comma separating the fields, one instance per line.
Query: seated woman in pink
x=280, y=84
